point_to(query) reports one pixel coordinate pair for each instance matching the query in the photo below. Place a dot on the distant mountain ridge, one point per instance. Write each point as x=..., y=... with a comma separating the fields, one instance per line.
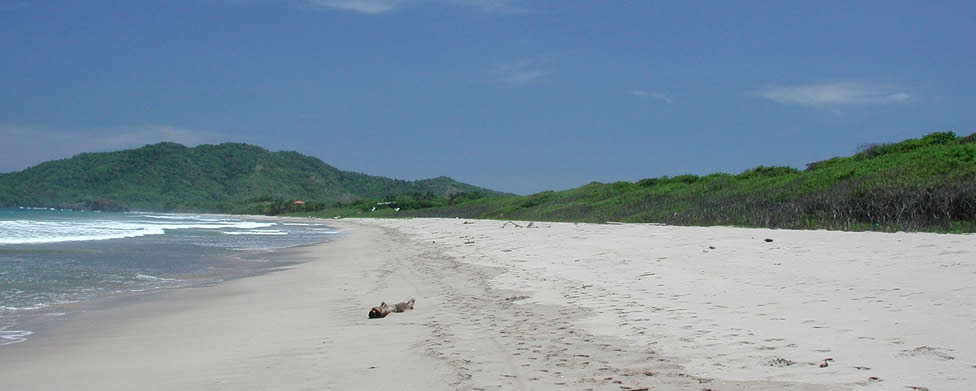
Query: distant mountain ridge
x=172, y=177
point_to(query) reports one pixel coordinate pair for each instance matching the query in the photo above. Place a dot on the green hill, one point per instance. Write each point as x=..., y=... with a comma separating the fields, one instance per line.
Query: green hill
x=226, y=178
x=918, y=184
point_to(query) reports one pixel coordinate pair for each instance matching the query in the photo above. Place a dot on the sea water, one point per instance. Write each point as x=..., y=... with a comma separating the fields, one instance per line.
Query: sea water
x=50, y=258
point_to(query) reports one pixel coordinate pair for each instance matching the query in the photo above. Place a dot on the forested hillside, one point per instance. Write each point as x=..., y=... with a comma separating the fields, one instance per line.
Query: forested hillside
x=219, y=178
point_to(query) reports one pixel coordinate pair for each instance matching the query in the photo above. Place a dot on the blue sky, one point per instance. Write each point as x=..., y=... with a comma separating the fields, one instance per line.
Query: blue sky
x=516, y=95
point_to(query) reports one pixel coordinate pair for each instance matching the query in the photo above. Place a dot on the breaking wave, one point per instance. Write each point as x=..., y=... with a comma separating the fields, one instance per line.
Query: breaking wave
x=68, y=230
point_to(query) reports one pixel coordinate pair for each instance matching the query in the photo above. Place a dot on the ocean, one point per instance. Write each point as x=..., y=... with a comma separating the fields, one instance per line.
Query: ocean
x=51, y=259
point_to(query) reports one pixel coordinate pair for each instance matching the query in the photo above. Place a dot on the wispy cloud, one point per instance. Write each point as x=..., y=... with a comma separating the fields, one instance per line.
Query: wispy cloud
x=362, y=6
x=373, y=7
x=506, y=6
x=836, y=93
x=518, y=72
x=25, y=146
x=651, y=95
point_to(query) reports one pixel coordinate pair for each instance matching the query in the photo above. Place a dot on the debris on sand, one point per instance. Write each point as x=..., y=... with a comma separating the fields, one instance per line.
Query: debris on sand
x=780, y=362
x=385, y=309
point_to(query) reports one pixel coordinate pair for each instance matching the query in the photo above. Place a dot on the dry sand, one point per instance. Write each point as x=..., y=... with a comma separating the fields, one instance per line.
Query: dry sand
x=892, y=311
x=560, y=307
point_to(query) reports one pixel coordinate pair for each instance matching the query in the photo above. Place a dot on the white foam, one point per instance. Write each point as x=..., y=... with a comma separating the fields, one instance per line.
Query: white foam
x=10, y=309
x=171, y=217
x=256, y=232
x=174, y=216
x=32, y=232
x=152, y=278
x=183, y=218
x=5, y=308
x=54, y=237
x=8, y=337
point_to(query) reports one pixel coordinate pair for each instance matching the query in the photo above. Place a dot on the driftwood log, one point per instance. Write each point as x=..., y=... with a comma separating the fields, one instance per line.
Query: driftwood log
x=385, y=309
x=512, y=223
x=531, y=223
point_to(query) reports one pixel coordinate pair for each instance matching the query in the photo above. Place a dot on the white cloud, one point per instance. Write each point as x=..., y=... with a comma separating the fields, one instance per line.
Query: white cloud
x=490, y=5
x=837, y=93
x=652, y=95
x=363, y=6
x=26, y=146
x=373, y=7
x=518, y=72
x=899, y=97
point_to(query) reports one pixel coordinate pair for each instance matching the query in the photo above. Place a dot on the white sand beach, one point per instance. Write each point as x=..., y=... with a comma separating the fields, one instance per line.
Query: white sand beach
x=555, y=307
x=890, y=311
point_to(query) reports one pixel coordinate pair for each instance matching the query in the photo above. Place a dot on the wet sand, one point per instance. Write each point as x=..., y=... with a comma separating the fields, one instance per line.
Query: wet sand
x=301, y=328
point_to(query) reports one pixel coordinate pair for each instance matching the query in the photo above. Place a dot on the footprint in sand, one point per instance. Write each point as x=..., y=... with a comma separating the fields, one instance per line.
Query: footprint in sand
x=937, y=352
x=953, y=252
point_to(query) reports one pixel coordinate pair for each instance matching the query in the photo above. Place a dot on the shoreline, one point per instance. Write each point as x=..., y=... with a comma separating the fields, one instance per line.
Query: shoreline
x=22, y=324
x=271, y=331
x=39, y=323
x=562, y=306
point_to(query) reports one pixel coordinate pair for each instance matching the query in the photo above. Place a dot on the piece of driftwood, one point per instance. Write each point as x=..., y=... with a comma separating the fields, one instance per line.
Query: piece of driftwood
x=531, y=224
x=512, y=223
x=385, y=309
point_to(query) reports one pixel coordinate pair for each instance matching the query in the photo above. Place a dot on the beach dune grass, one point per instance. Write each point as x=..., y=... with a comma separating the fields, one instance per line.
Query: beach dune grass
x=926, y=184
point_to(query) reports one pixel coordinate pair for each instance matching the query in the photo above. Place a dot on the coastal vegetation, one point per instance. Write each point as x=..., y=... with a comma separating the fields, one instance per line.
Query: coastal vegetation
x=228, y=178
x=925, y=184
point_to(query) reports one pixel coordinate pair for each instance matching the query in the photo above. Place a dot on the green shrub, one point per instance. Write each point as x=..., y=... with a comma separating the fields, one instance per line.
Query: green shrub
x=823, y=163
x=648, y=182
x=939, y=138
x=768, y=171
x=968, y=139
x=535, y=199
x=687, y=178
